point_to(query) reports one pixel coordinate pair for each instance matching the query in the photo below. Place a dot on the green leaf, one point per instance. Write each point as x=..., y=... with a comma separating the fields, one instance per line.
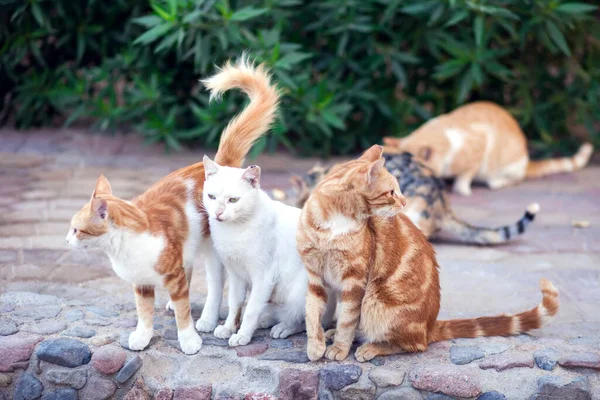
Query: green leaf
x=576, y=8
x=288, y=60
x=172, y=142
x=162, y=13
x=557, y=37
x=478, y=26
x=417, y=8
x=80, y=48
x=148, y=21
x=332, y=119
x=167, y=42
x=459, y=16
x=153, y=33
x=37, y=13
x=477, y=73
x=247, y=13
x=465, y=86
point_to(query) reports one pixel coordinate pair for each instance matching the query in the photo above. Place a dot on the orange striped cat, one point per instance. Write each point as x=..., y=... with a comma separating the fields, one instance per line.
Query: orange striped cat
x=354, y=241
x=480, y=142
x=153, y=239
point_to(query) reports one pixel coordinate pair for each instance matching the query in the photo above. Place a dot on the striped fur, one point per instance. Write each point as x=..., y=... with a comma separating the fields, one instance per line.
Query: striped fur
x=383, y=269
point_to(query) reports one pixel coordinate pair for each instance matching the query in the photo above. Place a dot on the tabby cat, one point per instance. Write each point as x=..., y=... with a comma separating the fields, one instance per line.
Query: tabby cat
x=427, y=204
x=480, y=142
x=354, y=240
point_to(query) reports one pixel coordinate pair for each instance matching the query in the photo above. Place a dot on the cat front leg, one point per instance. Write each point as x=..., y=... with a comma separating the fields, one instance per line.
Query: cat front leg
x=237, y=293
x=188, y=274
x=144, y=303
x=316, y=300
x=462, y=184
x=257, y=302
x=215, y=280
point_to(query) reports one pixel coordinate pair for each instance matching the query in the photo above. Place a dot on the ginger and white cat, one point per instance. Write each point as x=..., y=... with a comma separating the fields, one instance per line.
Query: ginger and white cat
x=255, y=237
x=153, y=239
x=480, y=142
x=354, y=240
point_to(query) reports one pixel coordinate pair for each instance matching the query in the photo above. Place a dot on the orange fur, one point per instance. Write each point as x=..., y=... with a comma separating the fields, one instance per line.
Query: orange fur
x=354, y=240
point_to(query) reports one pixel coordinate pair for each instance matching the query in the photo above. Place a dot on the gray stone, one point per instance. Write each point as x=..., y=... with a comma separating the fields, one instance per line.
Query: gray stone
x=98, y=389
x=335, y=377
x=64, y=352
x=504, y=361
x=461, y=355
x=171, y=334
x=403, y=393
x=80, y=331
x=281, y=344
x=203, y=392
x=28, y=387
x=7, y=327
x=126, y=323
x=61, y=394
x=5, y=380
x=362, y=390
x=493, y=395
x=298, y=385
x=108, y=359
x=97, y=322
x=124, y=340
x=6, y=307
x=74, y=315
x=16, y=350
x=581, y=360
x=449, y=380
x=493, y=348
x=251, y=350
x=129, y=369
x=293, y=356
x=103, y=340
x=439, y=396
x=102, y=312
x=554, y=387
x=378, y=361
x=213, y=341
x=21, y=299
x=546, y=359
x=38, y=312
x=46, y=327
x=75, y=378
x=384, y=377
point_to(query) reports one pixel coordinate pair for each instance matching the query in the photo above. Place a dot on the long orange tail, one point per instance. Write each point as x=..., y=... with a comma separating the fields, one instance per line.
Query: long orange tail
x=502, y=325
x=537, y=169
x=254, y=121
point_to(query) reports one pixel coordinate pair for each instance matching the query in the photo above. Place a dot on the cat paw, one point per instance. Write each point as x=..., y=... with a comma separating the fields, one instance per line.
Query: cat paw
x=205, y=326
x=330, y=334
x=315, y=350
x=169, y=306
x=139, y=339
x=239, y=340
x=365, y=353
x=189, y=340
x=283, y=330
x=336, y=352
x=266, y=321
x=463, y=189
x=223, y=332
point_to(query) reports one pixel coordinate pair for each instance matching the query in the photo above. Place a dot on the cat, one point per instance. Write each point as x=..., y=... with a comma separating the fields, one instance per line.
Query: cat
x=427, y=204
x=354, y=240
x=480, y=142
x=255, y=237
x=153, y=239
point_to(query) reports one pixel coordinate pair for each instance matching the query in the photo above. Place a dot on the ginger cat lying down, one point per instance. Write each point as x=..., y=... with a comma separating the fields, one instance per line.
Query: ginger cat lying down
x=480, y=142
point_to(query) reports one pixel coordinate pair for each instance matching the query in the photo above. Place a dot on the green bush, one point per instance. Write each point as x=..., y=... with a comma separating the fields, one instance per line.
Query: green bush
x=352, y=71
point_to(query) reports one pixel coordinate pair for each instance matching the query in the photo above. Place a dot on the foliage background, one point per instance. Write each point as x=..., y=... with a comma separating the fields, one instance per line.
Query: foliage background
x=352, y=70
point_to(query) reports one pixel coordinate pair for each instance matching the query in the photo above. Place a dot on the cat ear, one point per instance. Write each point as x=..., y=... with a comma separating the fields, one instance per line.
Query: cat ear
x=298, y=183
x=373, y=154
x=99, y=209
x=252, y=175
x=210, y=167
x=373, y=170
x=102, y=187
x=425, y=152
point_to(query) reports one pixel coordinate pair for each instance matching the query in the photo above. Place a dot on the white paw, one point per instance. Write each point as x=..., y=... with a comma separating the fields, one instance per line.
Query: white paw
x=239, y=340
x=205, y=326
x=266, y=321
x=189, y=340
x=464, y=190
x=139, y=339
x=169, y=306
x=222, y=332
x=281, y=331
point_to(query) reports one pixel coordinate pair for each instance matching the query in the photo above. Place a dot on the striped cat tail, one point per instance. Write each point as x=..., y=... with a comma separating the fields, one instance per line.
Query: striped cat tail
x=458, y=230
x=537, y=169
x=255, y=120
x=502, y=325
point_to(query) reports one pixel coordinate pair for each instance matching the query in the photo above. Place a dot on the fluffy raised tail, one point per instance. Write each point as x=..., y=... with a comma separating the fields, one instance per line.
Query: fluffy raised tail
x=537, y=169
x=254, y=121
x=502, y=325
x=458, y=230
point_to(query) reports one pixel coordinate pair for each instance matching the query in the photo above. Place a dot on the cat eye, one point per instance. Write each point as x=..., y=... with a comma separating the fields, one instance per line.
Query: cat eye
x=393, y=192
x=74, y=230
x=234, y=199
x=211, y=196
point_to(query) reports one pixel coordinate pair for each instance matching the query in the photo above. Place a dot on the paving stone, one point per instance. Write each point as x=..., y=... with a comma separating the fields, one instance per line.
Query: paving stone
x=98, y=389
x=493, y=348
x=80, y=331
x=75, y=378
x=259, y=396
x=26, y=299
x=16, y=349
x=45, y=327
x=164, y=394
x=129, y=369
x=6, y=307
x=108, y=359
x=7, y=327
x=493, y=395
x=125, y=323
x=581, y=360
x=504, y=361
x=461, y=355
x=102, y=312
x=210, y=340
x=171, y=334
x=449, y=380
x=102, y=340
x=292, y=356
x=138, y=391
x=385, y=377
x=295, y=384
x=38, y=313
x=378, y=361
x=28, y=387
x=546, y=358
x=124, y=340
x=74, y=315
x=252, y=350
x=97, y=322
x=5, y=380
x=61, y=394
x=64, y=352
x=194, y=393
x=403, y=393
x=439, y=396
x=554, y=387
x=281, y=344
x=335, y=377
x=362, y=390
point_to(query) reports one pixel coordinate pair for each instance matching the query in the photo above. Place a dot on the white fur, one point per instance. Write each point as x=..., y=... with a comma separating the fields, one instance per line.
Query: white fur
x=256, y=240
x=339, y=224
x=456, y=140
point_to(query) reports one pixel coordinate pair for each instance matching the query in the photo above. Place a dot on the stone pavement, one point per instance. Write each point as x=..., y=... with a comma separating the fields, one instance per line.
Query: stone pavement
x=65, y=317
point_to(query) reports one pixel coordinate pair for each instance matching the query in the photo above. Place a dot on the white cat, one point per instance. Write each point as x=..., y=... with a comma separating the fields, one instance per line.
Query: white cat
x=255, y=238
